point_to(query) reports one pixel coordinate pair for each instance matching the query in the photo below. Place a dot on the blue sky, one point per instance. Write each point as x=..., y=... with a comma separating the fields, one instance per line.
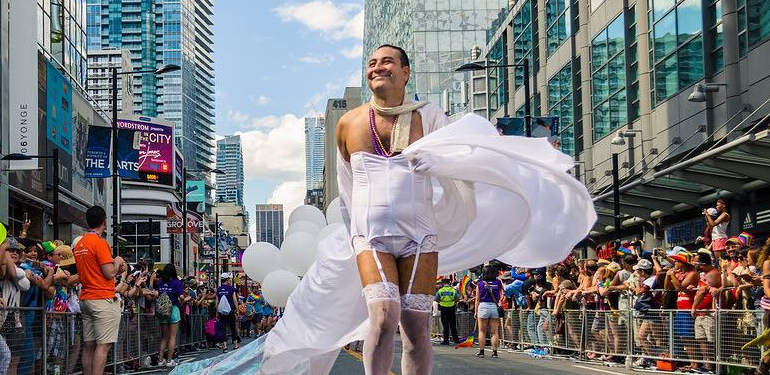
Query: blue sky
x=277, y=62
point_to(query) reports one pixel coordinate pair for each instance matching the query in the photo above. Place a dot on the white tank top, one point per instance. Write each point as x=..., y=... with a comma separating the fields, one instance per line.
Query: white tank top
x=719, y=231
x=389, y=199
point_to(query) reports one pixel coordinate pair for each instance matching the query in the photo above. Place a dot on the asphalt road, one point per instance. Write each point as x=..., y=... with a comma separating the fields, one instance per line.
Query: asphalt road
x=450, y=361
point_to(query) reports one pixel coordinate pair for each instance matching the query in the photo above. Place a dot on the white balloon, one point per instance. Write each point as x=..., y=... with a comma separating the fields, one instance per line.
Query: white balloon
x=303, y=226
x=298, y=252
x=277, y=287
x=329, y=229
x=260, y=259
x=334, y=212
x=308, y=213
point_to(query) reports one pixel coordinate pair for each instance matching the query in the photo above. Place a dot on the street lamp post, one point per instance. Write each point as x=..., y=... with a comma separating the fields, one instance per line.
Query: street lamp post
x=616, y=195
x=185, y=171
x=55, y=157
x=527, y=104
x=115, y=192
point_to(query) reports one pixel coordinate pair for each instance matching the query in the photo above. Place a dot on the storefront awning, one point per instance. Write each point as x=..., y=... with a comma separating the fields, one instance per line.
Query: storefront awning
x=735, y=168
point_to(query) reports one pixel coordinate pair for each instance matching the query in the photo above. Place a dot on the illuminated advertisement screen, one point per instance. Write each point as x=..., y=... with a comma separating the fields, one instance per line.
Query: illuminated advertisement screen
x=155, y=143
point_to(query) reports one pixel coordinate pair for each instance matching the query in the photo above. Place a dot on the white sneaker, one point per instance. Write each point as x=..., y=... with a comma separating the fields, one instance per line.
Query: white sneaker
x=146, y=362
x=641, y=362
x=162, y=362
x=172, y=363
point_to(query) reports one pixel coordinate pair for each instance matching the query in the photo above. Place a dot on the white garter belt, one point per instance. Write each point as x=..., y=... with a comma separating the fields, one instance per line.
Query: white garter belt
x=399, y=247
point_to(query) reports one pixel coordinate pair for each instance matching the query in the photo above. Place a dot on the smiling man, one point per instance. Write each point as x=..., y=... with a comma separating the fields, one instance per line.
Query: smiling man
x=392, y=224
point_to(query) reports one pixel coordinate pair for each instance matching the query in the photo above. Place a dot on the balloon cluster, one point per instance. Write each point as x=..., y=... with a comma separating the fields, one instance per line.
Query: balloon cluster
x=279, y=271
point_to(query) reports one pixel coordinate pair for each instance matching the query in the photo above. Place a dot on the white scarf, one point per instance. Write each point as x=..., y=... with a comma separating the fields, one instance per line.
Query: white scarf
x=400, y=137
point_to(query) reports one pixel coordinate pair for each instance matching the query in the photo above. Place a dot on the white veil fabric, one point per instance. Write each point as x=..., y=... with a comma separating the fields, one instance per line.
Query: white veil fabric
x=496, y=197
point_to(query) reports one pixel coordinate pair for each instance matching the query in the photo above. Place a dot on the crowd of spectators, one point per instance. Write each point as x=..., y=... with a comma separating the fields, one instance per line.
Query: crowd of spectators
x=655, y=289
x=49, y=295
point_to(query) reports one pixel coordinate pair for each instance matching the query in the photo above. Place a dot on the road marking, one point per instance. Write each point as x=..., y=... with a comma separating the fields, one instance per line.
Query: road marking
x=596, y=369
x=360, y=357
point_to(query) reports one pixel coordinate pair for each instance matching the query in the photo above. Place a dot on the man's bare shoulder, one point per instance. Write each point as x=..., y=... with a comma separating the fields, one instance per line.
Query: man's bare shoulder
x=352, y=116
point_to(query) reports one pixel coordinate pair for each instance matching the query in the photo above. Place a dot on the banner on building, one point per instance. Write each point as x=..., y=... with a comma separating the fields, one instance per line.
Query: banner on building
x=174, y=220
x=178, y=171
x=542, y=127
x=129, y=142
x=23, y=92
x=155, y=145
x=98, y=152
x=196, y=191
x=59, y=110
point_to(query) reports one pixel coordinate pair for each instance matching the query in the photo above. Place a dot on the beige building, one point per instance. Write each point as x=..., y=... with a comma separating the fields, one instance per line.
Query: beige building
x=335, y=108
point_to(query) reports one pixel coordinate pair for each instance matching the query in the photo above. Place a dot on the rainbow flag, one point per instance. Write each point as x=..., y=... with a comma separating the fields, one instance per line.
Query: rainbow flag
x=464, y=285
x=467, y=342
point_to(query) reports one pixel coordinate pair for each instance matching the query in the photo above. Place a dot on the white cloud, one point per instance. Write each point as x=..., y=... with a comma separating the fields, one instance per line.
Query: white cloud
x=321, y=59
x=237, y=116
x=275, y=150
x=332, y=21
x=354, y=80
x=354, y=52
x=260, y=100
x=291, y=194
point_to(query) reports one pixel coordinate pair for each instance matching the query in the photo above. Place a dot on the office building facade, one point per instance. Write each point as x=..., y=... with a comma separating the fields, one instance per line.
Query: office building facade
x=677, y=89
x=158, y=32
x=437, y=35
x=314, y=152
x=269, y=220
x=100, y=65
x=230, y=161
x=335, y=108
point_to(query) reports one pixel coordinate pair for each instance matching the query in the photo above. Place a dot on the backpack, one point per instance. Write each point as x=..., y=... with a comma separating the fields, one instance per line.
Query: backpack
x=163, y=306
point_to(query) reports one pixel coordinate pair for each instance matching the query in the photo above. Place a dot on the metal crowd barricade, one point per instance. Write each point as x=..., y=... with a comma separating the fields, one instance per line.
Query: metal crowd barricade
x=33, y=341
x=712, y=337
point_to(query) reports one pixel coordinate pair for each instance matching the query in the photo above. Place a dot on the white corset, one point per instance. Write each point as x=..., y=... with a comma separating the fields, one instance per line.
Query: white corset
x=389, y=199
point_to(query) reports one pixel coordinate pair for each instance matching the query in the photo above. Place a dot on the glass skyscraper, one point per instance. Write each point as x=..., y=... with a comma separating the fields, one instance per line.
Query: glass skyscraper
x=159, y=32
x=314, y=152
x=437, y=35
x=230, y=161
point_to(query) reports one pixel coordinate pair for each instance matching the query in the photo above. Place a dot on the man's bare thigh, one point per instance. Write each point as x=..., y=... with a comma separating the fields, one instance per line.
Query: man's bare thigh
x=424, y=277
x=368, y=271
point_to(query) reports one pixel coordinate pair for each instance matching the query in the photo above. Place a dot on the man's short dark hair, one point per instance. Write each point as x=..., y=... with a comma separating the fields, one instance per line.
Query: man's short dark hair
x=402, y=54
x=704, y=258
x=95, y=217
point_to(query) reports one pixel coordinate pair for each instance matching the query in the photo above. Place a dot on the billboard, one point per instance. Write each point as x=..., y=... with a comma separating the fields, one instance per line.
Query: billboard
x=23, y=94
x=174, y=220
x=178, y=171
x=59, y=110
x=196, y=191
x=154, y=142
x=542, y=127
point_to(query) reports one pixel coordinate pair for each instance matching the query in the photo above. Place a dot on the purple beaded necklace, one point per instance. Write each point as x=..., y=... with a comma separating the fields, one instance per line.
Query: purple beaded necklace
x=379, y=148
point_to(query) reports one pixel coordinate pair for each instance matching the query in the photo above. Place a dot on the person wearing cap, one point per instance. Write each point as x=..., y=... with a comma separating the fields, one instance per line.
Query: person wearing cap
x=15, y=280
x=709, y=290
x=447, y=298
x=62, y=298
x=718, y=227
x=683, y=279
x=100, y=308
x=646, y=300
x=227, y=308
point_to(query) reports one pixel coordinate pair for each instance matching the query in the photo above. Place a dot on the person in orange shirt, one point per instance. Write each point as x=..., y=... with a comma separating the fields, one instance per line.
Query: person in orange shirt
x=100, y=308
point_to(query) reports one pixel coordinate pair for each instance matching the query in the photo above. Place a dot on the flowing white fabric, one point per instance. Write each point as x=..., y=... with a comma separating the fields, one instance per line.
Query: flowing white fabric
x=506, y=198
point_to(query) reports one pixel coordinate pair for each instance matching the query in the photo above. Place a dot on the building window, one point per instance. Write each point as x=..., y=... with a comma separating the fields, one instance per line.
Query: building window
x=753, y=23
x=522, y=42
x=677, y=46
x=557, y=18
x=632, y=63
x=560, y=105
x=608, y=79
x=498, y=80
x=715, y=21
